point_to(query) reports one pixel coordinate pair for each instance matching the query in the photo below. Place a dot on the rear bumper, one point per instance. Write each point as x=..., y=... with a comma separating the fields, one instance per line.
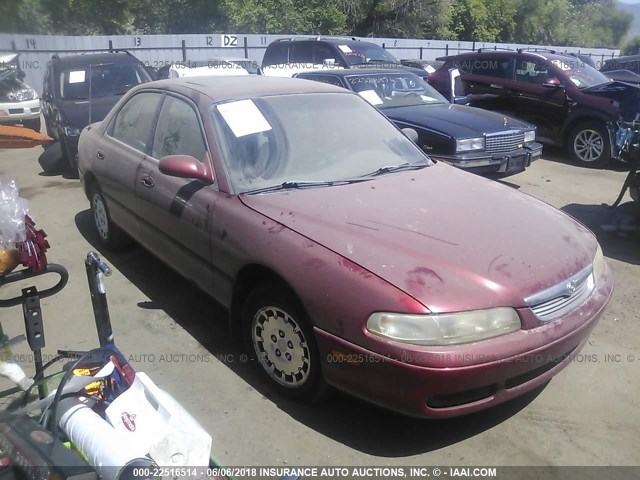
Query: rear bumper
x=481, y=162
x=439, y=392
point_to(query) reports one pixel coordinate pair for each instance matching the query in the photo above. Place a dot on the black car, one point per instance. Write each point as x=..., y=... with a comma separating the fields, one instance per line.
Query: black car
x=463, y=136
x=81, y=89
x=623, y=69
x=335, y=52
x=568, y=101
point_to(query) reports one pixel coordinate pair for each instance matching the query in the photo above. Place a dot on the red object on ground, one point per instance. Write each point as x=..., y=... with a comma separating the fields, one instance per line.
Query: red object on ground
x=32, y=250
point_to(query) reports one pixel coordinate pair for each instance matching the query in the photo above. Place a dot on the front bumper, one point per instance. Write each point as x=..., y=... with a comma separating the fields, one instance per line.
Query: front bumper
x=15, y=112
x=480, y=162
x=467, y=379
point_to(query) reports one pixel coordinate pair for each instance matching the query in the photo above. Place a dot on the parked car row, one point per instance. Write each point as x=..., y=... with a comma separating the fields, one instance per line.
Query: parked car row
x=569, y=101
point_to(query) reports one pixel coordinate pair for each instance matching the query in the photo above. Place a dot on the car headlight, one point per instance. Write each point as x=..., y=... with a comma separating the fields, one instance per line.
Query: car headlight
x=445, y=328
x=598, y=264
x=530, y=136
x=468, y=144
x=71, y=131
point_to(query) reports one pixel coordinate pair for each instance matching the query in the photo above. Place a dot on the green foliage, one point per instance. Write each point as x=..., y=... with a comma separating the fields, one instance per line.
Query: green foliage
x=551, y=22
x=632, y=47
x=285, y=16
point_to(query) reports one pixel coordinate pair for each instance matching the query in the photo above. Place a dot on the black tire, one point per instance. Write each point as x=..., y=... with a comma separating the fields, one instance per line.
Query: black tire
x=589, y=145
x=109, y=234
x=291, y=341
x=32, y=124
x=51, y=159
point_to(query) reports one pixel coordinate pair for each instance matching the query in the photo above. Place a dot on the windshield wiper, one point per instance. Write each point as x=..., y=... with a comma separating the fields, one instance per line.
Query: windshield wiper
x=395, y=168
x=299, y=184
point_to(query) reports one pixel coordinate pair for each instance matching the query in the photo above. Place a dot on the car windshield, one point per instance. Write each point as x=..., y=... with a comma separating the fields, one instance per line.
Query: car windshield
x=581, y=74
x=314, y=137
x=394, y=89
x=104, y=80
x=365, y=53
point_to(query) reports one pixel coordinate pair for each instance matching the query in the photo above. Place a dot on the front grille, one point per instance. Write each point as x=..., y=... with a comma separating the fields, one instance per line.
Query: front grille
x=504, y=142
x=16, y=111
x=563, y=298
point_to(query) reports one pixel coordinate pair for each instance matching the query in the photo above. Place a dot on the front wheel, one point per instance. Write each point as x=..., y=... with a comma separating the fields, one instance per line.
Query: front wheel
x=282, y=338
x=109, y=234
x=589, y=145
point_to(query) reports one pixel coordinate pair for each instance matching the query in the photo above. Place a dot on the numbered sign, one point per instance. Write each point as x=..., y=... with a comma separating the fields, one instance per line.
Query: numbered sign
x=228, y=40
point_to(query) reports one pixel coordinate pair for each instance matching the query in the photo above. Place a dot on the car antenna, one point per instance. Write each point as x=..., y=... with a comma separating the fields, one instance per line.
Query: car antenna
x=90, y=93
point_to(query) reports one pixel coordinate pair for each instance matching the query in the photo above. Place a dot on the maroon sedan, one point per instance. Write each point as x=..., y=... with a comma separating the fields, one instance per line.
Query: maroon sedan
x=344, y=254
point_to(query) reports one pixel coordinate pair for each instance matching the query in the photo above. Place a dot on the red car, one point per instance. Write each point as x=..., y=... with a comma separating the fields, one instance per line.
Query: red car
x=344, y=254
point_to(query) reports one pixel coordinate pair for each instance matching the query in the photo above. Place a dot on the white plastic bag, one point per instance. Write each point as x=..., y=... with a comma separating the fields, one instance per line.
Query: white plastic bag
x=13, y=208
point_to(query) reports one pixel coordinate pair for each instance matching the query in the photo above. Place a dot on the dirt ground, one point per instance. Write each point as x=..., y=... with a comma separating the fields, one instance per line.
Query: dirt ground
x=587, y=415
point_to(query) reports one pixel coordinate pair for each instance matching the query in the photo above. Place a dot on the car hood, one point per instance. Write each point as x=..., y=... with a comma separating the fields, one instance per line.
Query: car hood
x=459, y=121
x=76, y=112
x=452, y=240
x=614, y=89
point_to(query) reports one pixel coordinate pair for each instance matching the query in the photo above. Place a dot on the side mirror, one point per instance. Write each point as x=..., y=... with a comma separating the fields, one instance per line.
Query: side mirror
x=411, y=134
x=185, y=166
x=552, y=83
x=46, y=96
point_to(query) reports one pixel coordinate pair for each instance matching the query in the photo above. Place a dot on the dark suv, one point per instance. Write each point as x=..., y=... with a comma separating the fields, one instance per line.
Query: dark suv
x=569, y=101
x=338, y=52
x=81, y=89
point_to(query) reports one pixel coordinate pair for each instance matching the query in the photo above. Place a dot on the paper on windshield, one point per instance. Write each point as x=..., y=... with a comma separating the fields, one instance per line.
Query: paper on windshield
x=428, y=99
x=77, y=76
x=371, y=96
x=345, y=48
x=243, y=117
x=429, y=69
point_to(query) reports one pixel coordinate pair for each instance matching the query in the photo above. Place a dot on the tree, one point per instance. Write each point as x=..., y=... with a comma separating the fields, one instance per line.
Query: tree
x=632, y=47
x=286, y=16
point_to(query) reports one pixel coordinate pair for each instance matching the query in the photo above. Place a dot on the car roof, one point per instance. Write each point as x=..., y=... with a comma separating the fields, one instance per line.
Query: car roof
x=628, y=58
x=95, y=59
x=508, y=53
x=226, y=88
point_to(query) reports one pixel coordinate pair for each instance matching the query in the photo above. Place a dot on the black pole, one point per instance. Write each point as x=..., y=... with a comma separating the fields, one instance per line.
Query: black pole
x=96, y=271
x=420, y=53
x=110, y=46
x=446, y=49
x=246, y=48
x=184, y=51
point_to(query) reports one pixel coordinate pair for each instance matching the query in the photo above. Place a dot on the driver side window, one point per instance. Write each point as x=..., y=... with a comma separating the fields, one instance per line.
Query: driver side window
x=178, y=131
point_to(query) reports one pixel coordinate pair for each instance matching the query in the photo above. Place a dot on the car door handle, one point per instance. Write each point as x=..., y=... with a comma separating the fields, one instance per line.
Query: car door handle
x=100, y=155
x=147, y=181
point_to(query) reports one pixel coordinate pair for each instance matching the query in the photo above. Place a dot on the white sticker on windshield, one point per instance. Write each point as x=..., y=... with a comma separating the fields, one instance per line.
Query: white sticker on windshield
x=243, y=117
x=429, y=69
x=345, y=48
x=76, y=76
x=371, y=96
x=428, y=99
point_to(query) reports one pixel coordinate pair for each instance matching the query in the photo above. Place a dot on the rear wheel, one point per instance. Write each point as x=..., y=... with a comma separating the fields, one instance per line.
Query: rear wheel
x=589, y=145
x=282, y=338
x=109, y=234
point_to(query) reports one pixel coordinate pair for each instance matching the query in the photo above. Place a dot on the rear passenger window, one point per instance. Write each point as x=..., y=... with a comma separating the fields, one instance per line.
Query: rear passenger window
x=178, y=131
x=498, y=67
x=301, y=52
x=132, y=125
x=532, y=71
x=276, y=54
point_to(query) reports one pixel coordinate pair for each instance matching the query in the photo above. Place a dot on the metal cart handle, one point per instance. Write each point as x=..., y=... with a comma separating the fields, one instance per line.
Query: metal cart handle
x=25, y=274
